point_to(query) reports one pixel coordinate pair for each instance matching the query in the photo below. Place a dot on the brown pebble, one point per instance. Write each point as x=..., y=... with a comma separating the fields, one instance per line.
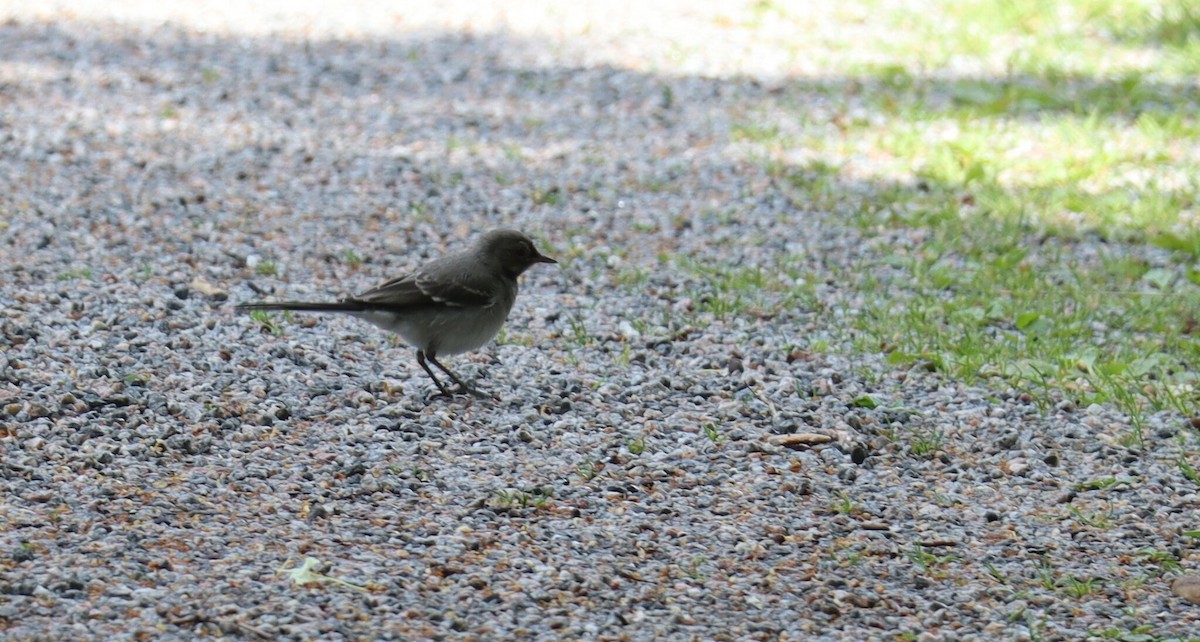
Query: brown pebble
x=799, y=355
x=800, y=440
x=1187, y=587
x=207, y=289
x=862, y=601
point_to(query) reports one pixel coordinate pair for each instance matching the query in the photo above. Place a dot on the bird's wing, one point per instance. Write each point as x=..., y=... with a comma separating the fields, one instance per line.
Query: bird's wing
x=433, y=287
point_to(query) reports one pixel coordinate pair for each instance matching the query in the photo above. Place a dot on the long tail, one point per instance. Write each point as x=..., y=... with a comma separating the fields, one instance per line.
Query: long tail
x=303, y=306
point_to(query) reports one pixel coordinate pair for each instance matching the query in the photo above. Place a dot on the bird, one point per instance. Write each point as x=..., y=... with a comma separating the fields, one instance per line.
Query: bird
x=453, y=304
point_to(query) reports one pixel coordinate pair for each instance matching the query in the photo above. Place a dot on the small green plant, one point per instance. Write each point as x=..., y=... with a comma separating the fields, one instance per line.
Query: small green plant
x=693, y=568
x=75, y=273
x=1166, y=562
x=552, y=196
x=587, y=469
x=623, y=359
x=352, y=258
x=865, y=401
x=266, y=268
x=995, y=573
x=1142, y=633
x=1078, y=588
x=712, y=432
x=637, y=446
x=632, y=277
x=1047, y=577
x=25, y=551
x=572, y=358
x=136, y=378
x=513, y=152
x=1099, y=520
x=928, y=561
x=513, y=498
x=844, y=505
x=579, y=332
x=850, y=558
x=1189, y=471
x=756, y=133
x=263, y=318
x=927, y=444
x=1102, y=484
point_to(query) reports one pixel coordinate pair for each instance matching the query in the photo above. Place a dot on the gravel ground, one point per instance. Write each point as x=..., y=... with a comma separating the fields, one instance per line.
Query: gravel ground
x=653, y=470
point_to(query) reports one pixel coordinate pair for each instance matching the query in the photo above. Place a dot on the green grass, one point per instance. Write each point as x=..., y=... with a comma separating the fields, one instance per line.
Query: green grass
x=75, y=273
x=1163, y=561
x=588, y=469
x=1079, y=589
x=844, y=504
x=1079, y=121
x=1103, y=483
x=694, y=568
x=713, y=433
x=1090, y=36
x=1143, y=633
x=1188, y=470
x=929, y=562
x=1029, y=210
x=926, y=444
x=266, y=322
x=637, y=446
x=1100, y=520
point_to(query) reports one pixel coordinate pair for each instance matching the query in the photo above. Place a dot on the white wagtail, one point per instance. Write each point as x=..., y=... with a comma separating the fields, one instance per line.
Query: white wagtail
x=451, y=305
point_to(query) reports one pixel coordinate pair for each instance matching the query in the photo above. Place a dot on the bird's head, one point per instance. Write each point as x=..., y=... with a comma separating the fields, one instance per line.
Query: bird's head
x=512, y=251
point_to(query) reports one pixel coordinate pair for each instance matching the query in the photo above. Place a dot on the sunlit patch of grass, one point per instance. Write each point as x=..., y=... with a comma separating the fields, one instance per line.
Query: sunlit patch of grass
x=1068, y=130
x=1088, y=36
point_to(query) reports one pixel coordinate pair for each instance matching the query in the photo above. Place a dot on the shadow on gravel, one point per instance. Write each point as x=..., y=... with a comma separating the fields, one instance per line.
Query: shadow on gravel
x=180, y=126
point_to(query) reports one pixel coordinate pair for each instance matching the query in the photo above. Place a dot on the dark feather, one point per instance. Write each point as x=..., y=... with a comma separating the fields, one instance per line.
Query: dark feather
x=430, y=289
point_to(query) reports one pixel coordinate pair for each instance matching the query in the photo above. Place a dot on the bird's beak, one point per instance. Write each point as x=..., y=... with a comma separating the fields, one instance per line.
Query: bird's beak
x=542, y=258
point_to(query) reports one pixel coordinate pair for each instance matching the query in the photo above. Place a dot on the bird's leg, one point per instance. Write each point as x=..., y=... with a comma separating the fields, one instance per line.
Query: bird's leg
x=425, y=366
x=462, y=386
